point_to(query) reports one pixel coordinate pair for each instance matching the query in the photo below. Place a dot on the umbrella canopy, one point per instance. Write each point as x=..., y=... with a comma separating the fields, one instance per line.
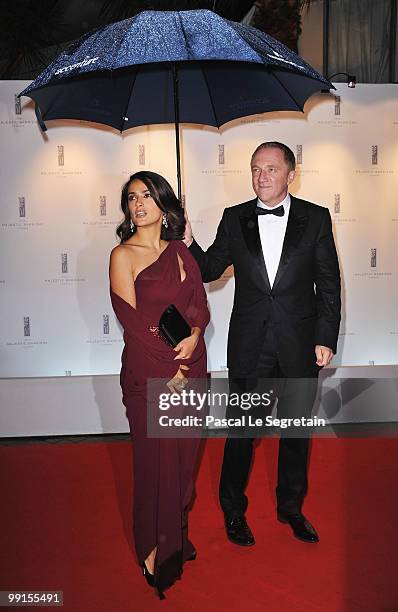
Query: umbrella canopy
x=173, y=66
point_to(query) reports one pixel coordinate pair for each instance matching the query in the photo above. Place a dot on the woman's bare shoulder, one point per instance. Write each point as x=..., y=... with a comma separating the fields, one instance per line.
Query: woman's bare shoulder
x=123, y=252
x=122, y=260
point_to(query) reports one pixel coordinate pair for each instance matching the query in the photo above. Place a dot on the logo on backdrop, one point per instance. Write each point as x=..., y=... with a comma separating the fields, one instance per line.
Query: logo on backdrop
x=61, y=157
x=299, y=154
x=64, y=263
x=26, y=326
x=102, y=206
x=22, y=207
x=64, y=277
x=220, y=166
x=374, y=165
x=99, y=216
x=301, y=168
x=17, y=105
x=18, y=218
x=25, y=340
x=337, y=105
x=63, y=172
x=335, y=118
x=141, y=155
x=375, y=270
x=105, y=338
x=337, y=209
x=15, y=108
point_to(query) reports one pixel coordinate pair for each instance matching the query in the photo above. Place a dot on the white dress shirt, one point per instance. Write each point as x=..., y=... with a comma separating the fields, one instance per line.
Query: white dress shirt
x=272, y=233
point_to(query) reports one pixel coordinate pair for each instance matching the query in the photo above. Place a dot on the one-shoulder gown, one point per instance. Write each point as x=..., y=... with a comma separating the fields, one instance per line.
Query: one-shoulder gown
x=163, y=467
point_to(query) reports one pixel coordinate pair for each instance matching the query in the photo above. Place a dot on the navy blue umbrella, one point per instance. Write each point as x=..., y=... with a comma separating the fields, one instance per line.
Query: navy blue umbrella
x=172, y=67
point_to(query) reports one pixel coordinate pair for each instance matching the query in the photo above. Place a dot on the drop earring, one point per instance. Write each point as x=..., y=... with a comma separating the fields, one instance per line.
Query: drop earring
x=164, y=221
x=131, y=225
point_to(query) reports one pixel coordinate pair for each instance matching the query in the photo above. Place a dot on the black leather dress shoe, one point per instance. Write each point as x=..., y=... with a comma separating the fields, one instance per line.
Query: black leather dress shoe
x=239, y=532
x=302, y=529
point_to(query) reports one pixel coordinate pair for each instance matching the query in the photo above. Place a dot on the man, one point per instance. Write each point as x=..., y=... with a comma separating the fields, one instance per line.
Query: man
x=284, y=322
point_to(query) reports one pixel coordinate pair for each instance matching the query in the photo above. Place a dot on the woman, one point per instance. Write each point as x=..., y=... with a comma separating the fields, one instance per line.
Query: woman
x=149, y=270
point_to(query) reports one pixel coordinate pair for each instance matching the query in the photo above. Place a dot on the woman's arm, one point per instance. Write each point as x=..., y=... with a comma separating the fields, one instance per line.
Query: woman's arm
x=198, y=312
x=133, y=321
x=121, y=275
x=201, y=314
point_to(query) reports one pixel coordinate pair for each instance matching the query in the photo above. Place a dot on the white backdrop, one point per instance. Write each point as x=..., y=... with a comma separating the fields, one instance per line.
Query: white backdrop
x=60, y=205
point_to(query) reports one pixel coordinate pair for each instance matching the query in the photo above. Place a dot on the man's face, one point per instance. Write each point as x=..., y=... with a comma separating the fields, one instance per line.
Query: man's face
x=271, y=176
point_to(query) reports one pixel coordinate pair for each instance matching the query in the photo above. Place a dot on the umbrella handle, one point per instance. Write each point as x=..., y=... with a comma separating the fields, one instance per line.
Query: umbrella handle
x=177, y=129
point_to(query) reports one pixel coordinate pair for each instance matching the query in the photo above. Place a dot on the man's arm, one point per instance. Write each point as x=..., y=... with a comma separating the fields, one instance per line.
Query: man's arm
x=217, y=258
x=327, y=281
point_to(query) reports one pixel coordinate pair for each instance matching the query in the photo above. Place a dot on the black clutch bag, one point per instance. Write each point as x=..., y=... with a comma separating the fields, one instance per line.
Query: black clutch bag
x=173, y=327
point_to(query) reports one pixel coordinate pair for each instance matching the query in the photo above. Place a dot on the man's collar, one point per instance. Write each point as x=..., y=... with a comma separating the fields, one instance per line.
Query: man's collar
x=285, y=203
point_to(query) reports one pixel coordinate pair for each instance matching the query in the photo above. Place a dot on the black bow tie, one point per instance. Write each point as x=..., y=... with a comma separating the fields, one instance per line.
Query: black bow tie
x=279, y=211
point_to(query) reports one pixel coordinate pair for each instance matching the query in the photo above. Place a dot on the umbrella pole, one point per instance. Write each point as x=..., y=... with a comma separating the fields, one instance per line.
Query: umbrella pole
x=177, y=130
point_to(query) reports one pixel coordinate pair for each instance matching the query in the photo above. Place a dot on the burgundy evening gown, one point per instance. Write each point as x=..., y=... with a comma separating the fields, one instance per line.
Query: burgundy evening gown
x=163, y=467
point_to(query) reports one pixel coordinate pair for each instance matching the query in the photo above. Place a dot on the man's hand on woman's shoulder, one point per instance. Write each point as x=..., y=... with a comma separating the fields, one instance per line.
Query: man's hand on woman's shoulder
x=188, y=237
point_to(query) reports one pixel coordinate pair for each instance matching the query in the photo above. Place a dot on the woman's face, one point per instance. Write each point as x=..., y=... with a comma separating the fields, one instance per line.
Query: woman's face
x=143, y=208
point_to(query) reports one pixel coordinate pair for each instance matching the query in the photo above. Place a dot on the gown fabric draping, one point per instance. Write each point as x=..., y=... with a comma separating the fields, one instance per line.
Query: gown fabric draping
x=163, y=467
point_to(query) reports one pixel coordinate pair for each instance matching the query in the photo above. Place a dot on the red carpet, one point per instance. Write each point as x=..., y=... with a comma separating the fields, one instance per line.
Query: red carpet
x=65, y=525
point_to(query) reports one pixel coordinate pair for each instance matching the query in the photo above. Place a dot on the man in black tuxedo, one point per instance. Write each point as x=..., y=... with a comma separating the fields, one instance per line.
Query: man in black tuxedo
x=284, y=322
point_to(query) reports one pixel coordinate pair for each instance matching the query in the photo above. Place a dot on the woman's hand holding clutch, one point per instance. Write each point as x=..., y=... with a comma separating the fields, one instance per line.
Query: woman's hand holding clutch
x=186, y=347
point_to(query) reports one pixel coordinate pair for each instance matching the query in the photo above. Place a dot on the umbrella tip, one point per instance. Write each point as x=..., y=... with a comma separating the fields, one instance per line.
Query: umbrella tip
x=39, y=118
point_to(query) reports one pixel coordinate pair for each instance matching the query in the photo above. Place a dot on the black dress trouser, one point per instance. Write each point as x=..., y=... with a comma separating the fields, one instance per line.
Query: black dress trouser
x=293, y=451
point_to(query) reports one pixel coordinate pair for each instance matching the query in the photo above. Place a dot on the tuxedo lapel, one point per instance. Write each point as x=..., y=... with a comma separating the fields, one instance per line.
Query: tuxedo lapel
x=296, y=225
x=251, y=235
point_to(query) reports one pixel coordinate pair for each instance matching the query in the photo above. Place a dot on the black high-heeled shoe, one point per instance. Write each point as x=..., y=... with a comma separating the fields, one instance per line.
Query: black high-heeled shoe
x=150, y=578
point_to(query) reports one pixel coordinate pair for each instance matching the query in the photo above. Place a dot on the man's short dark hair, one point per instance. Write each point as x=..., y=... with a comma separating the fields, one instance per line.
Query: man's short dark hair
x=287, y=153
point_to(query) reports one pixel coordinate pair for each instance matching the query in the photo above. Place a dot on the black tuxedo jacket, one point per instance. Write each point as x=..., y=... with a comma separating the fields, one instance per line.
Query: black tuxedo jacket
x=304, y=301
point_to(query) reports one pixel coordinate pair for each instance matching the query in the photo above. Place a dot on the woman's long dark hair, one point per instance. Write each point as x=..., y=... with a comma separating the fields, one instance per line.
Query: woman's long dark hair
x=164, y=196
